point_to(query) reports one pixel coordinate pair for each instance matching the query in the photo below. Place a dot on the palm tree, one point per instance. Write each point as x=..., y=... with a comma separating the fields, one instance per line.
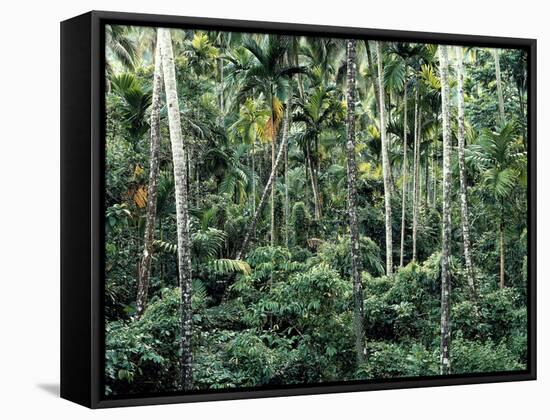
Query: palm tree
x=287, y=123
x=154, y=166
x=136, y=101
x=463, y=186
x=323, y=57
x=233, y=174
x=404, y=181
x=416, y=169
x=445, y=346
x=144, y=40
x=201, y=54
x=427, y=127
x=373, y=75
x=402, y=59
x=267, y=189
x=315, y=112
x=359, y=315
x=239, y=61
x=121, y=46
x=250, y=126
x=385, y=163
x=500, y=156
x=223, y=41
x=182, y=218
x=500, y=96
x=270, y=75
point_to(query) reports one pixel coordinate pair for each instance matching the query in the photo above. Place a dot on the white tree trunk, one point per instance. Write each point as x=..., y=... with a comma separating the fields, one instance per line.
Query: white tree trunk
x=287, y=216
x=445, y=348
x=501, y=235
x=313, y=178
x=253, y=178
x=273, y=160
x=182, y=220
x=152, y=189
x=463, y=183
x=359, y=313
x=385, y=164
x=501, y=113
x=502, y=117
x=416, y=172
x=404, y=181
x=374, y=77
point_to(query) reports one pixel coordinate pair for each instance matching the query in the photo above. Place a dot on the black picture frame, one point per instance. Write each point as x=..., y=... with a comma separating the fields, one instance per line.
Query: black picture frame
x=82, y=213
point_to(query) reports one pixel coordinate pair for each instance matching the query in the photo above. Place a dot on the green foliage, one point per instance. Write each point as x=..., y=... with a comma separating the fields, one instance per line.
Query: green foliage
x=503, y=311
x=271, y=262
x=404, y=306
x=226, y=265
x=135, y=101
x=300, y=223
x=139, y=351
x=283, y=314
x=476, y=357
x=500, y=157
x=117, y=216
x=338, y=256
x=313, y=308
x=388, y=360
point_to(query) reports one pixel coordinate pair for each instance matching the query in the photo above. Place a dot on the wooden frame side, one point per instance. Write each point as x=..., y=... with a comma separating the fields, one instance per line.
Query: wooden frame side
x=76, y=166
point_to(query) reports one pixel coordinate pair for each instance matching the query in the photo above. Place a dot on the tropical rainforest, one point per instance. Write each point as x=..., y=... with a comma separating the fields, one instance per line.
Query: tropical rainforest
x=290, y=210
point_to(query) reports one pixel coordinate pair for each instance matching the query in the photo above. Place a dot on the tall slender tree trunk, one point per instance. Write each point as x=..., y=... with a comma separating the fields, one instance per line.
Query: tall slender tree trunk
x=434, y=178
x=385, y=164
x=314, y=186
x=426, y=201
x=420, y=182
x=522, y=114
x=268, y=186
x=501, y=235
x=463, y=183
x=273, y=159
x=180, y=178
x=188, y=168
x=152, y=189
x=415, y=173
x=294, y=58
x=253, y=179
x=502, y=115
x=404, y=182
x=317, y=161
x=359, y=312
x=502, y=118
x=287, y=215
x=373, y=77
x=418, y=190
x=221, y=89
x=445, y=348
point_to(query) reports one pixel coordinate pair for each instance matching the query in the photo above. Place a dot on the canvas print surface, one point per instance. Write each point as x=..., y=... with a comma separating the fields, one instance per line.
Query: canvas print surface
x=287, y=210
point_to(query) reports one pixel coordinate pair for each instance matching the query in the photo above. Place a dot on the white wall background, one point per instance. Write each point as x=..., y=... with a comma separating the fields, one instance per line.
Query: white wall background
x=29, y=207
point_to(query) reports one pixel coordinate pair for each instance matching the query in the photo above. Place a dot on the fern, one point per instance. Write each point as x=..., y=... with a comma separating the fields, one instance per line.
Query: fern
x=206, y=244
x=394, y=74
x=208, y=217
x=199, y=296
x=165, y=246
x=226, y=265
x=221, y=265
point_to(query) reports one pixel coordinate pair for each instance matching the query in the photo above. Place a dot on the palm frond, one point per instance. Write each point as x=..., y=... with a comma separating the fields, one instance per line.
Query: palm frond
x=226, y=265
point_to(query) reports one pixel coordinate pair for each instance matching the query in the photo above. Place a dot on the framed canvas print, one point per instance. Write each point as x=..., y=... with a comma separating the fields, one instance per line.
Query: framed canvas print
x=255, y=209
